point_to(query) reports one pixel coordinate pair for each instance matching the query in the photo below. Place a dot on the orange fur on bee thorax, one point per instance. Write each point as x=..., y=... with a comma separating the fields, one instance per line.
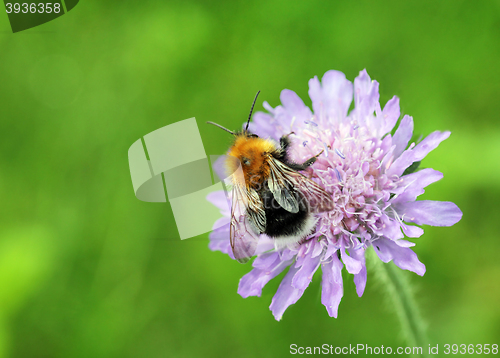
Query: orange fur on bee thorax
x=252, y=154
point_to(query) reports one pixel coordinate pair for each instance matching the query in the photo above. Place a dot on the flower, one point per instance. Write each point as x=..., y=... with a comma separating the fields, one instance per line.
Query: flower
x=363, y=165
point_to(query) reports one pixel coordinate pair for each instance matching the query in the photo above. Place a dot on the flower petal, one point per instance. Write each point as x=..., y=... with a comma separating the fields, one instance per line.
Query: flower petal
x=366, y=96
x=266, y=261
x=332, y=288
x=304, y=276
x=223, y=221
x=219, y=167
x=429, y=212
x=412, y=231
x=286, y=295
x=262, y=124
x=410, y=156
x=219, y=239
x=413, y=184
x=264, y=245
x=351, y=264
x=383, y=254
x=404, y=243
x=390, y=228
x=219, y=199
x=295, y=107
x=360, y=278
x=403, y=135
x=390, y=115
x=332, y=97
x=252, y=283
x=403, y=257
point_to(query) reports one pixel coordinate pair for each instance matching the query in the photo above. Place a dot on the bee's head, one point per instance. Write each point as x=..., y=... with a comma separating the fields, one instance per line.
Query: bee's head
x=251, y=135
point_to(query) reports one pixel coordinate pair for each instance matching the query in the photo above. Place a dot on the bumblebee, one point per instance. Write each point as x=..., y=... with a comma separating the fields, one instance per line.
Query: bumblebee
x=269, y=195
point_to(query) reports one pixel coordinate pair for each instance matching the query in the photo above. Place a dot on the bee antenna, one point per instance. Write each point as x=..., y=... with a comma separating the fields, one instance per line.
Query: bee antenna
x=251, y=110
x=221, y=127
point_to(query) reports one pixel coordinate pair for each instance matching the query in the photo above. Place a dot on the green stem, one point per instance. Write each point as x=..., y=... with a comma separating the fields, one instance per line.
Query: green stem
x=398, y=289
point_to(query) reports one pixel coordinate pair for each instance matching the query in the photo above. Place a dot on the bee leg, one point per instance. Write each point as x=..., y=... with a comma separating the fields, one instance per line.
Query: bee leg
x=311, y=161
x=285, y=141
x=306, y=164
x=282, y=152
x=317, y=155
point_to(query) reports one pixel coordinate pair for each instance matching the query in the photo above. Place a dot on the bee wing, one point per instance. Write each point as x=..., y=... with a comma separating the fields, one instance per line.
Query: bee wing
x=255, y=211
x=281, y=184
x=283, y=181
x=247, y=221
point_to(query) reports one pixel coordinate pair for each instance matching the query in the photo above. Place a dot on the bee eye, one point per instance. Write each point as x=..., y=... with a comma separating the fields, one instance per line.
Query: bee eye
x=245, y=161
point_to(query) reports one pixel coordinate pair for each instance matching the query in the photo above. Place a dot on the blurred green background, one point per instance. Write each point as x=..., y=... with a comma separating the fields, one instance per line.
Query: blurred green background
x=87, y=270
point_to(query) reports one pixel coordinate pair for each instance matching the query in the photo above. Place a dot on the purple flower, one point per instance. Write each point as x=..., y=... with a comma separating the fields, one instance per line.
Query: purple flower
x=363, y=166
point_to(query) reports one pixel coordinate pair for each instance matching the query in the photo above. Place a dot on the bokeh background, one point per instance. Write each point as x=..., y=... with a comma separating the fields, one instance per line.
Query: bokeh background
x=87, y=270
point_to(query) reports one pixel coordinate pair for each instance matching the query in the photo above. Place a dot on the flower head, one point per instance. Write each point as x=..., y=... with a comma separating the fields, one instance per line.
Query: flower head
x=365, y=168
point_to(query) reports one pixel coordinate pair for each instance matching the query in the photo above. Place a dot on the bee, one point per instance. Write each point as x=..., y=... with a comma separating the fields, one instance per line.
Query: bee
x=269, y=196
